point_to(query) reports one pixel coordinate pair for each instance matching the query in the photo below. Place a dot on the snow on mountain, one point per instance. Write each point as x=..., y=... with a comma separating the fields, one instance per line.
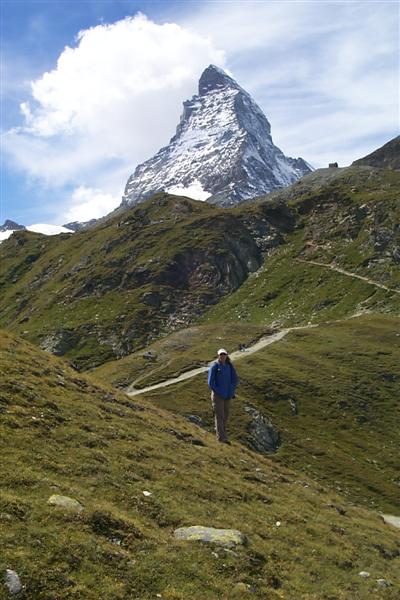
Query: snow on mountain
x=37, y=228
x=48, y=229
x=222, y=151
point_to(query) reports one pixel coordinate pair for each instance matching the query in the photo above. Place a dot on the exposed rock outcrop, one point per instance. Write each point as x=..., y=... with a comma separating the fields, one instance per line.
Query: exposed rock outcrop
x=263, y=436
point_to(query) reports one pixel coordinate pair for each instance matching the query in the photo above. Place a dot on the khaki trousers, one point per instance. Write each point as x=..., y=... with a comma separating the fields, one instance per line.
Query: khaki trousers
x=221, y=412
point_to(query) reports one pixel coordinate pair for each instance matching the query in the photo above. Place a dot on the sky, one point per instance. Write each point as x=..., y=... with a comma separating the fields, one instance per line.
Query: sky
x=90, y=89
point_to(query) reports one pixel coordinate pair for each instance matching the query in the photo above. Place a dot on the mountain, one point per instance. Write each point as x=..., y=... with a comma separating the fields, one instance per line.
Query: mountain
x=10, y=226
x=105, y=291
x=79, y=225
x=386, y=157
x=222, y=151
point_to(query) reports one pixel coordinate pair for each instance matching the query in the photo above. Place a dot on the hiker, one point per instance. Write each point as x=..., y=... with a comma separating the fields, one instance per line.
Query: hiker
x=222, y=380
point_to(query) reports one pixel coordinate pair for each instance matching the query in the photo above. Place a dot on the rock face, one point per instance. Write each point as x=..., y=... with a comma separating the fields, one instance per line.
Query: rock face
x=222, y=151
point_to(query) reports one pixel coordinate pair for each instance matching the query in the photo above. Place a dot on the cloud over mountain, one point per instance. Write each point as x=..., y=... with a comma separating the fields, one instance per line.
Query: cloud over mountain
x=98, y=111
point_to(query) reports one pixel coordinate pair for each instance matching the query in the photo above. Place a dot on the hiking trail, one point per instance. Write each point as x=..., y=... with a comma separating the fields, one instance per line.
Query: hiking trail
x=264, y=341
x=348, y=274
x=237, y=355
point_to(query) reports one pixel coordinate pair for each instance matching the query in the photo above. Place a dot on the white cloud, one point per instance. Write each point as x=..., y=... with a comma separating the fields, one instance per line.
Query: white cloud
x=87, y=203
x=111, y=102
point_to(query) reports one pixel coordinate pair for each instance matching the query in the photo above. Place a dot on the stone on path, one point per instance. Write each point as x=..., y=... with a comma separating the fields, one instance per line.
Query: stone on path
x=65, y=502
x=224, y=537
x=392, y=520
x=13, y=582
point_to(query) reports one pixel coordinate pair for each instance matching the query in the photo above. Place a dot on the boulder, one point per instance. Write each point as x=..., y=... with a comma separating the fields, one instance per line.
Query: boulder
x=65, y=502
x=13, y=582
x=263, y=437
x=223, y=537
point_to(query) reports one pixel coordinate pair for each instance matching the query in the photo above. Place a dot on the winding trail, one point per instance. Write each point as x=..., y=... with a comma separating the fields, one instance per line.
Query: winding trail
x=237, y=355
x=264, y=341
x=348, y=273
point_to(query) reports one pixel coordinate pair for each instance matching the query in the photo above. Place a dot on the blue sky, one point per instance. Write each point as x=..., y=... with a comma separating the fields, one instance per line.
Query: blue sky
x=90, y=89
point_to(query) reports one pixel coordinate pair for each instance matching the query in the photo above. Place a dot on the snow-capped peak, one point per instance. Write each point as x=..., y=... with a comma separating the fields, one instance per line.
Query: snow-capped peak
x=222, y=150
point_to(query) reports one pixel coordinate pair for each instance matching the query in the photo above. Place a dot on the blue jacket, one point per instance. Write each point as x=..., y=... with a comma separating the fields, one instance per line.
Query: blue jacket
x=222, y=379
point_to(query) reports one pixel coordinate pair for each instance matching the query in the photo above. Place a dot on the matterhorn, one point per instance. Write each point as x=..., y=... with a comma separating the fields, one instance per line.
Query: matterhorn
x=222, y=151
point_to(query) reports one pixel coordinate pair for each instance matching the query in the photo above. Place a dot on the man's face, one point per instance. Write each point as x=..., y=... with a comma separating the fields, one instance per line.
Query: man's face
x=222, y=358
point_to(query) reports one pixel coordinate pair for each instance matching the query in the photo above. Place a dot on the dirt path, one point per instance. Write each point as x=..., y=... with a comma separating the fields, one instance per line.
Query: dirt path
x=263, y=342
x=348, y=273
x=237, y=355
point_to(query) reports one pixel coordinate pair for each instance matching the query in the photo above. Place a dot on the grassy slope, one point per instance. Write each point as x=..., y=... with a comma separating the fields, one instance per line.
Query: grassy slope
x=285, y=292
x=105, y=292
x=344, y=379
x=71, y=435
x=347, y=218
x=111, y=289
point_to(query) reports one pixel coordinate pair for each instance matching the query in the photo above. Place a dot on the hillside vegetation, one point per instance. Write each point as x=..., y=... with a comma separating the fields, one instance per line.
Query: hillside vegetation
x=345, y=219
x=104, y=292
x=343, y=378
x=68, y=434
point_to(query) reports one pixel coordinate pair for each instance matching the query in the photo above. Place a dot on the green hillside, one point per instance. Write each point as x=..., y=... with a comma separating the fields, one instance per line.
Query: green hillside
x=345, y=219
x=108, y=291
x=103, y=292
x=343, y=378
x=67, y=434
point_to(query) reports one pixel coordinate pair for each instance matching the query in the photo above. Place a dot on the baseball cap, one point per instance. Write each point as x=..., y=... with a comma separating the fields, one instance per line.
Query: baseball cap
x=222, y=351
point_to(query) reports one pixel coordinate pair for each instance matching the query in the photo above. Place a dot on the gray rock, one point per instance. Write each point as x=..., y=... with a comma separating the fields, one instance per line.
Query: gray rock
x=364, y=574
x=13, y=582
x=65, y=502
x=195, y=419
x=223, y=537
x=384, y=583
x=5, y=517
x=58, y=342
x=263, y=436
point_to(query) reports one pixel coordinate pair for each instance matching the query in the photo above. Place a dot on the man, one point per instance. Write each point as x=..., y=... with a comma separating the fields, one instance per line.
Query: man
x=222, y=380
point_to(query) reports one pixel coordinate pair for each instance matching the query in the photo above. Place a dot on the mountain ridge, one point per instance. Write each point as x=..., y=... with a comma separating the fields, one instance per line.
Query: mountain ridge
x=222, y=150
